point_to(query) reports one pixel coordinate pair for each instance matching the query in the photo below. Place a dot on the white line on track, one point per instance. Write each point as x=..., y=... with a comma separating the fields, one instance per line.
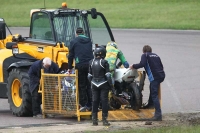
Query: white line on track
x=174, y=95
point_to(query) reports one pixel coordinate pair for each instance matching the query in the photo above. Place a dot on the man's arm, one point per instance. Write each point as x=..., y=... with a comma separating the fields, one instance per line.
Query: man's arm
x=142, y=62
x=90, y=76
x=123, y=59
x=34, y=73
x=161, y=64
x=55, y=67
x=71, y=55
x=108, y=74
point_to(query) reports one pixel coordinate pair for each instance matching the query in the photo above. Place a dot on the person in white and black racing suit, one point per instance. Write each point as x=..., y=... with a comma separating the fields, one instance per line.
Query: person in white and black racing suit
x=101, y=82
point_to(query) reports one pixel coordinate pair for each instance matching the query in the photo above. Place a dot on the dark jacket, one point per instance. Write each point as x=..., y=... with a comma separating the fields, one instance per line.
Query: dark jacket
x=152, y=65
x=80, y=49
x=35, y=73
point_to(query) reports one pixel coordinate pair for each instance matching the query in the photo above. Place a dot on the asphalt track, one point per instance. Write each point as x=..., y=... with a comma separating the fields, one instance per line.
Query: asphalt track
x=179, y=51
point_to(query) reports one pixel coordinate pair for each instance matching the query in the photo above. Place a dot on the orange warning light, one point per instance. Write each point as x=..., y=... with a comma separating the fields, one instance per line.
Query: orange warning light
x=64, y=4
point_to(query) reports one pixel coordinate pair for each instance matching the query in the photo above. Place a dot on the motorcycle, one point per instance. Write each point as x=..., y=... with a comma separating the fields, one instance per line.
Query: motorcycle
x=127, y=91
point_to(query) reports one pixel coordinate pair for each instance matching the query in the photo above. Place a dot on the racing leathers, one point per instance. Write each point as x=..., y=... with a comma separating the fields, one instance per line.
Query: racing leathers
x=112, y=55
x=101, y=82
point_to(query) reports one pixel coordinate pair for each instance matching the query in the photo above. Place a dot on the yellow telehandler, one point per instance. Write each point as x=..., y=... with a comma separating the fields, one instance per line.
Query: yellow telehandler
x=51, y=31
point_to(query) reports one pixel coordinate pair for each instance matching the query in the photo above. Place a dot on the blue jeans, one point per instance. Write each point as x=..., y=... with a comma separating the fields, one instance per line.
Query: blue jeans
x=154, y=86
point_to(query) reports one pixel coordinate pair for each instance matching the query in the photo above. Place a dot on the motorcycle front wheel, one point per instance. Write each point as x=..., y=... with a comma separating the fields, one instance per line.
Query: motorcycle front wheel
x=136, y=100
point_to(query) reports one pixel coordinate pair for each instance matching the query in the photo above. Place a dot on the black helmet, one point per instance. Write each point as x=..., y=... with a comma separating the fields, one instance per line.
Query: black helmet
x=100, y=51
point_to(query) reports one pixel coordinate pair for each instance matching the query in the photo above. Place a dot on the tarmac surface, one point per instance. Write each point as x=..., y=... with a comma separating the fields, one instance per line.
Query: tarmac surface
x=179, y=51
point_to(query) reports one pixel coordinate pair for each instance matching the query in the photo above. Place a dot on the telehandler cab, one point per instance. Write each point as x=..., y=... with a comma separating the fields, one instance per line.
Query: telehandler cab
x=50, y=34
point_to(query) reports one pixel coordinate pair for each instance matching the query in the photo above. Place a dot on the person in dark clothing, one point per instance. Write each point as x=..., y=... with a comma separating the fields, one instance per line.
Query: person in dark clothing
x=35, y=75
x=80, y=50
x=101, y=80
x=155, y=71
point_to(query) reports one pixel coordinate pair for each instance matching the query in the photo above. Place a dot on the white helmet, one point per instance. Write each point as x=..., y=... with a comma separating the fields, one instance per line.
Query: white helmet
x=114, y=44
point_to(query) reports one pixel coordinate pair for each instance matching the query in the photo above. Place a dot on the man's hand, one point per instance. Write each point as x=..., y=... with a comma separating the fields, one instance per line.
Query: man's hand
x=131, y=67
x=69, y=71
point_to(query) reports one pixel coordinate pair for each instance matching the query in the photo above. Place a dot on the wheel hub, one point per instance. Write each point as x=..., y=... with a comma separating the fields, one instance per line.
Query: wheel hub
x=16, y=92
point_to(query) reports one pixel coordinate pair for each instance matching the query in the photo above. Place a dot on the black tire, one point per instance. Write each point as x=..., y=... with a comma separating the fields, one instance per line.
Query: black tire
x=142, y=80
x=19, y=96
x=136, y=100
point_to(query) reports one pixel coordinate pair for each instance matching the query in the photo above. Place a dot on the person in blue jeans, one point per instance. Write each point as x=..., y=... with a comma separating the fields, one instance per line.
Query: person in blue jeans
x=155, y=71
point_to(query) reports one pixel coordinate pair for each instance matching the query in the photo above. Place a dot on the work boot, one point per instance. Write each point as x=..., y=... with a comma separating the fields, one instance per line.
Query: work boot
x=37, y=116
x=104, y=119
x=83, y=109
x=94, y=119
x=49, y=116
x=89, y=108
x=155, y=118
x=148, y=106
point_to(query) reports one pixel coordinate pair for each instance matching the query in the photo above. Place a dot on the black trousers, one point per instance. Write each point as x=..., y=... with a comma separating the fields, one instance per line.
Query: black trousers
x=36, y=101
x=100, y=94
x=85, y=95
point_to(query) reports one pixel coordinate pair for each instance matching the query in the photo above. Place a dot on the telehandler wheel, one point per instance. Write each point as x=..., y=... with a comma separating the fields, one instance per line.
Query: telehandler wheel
x=19, y=96
x=136, y=100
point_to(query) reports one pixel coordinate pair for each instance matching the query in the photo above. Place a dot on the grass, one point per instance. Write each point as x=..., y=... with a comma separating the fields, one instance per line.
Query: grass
x=145, y=14
x=177, y=129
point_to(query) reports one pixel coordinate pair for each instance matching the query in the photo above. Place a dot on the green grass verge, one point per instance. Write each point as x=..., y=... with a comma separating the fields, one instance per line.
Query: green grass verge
x=177, y=129
x=155, y=14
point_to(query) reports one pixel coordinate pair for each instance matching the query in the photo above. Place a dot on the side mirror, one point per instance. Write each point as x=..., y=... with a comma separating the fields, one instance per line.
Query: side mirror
x=2, y=29
x=9, y=45
x=94, y=13
x=13, y=46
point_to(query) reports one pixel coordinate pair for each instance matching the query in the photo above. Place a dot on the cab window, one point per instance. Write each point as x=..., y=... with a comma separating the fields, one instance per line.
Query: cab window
x=40, y=27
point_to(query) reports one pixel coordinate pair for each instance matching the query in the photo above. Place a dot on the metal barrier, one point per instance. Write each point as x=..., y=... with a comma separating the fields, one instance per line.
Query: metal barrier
x=60, y=95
